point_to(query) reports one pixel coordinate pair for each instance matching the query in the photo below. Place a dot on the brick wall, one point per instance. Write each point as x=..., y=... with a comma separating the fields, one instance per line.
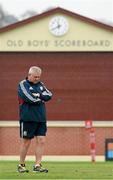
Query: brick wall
x=81, y=83
x=60, y=141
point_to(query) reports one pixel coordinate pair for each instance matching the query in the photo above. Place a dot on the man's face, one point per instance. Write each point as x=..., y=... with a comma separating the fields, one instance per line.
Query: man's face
x=34, y=77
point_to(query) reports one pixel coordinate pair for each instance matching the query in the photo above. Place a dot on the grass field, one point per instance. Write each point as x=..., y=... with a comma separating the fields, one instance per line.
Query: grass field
x=60, y=170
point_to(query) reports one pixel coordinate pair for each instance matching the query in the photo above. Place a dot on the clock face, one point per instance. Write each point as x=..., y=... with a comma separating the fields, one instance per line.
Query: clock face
x=58, y=25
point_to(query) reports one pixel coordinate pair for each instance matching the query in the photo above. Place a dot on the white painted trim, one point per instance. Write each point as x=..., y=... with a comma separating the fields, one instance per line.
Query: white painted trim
x=9, y=123
x=55, y=158
x=66, y=123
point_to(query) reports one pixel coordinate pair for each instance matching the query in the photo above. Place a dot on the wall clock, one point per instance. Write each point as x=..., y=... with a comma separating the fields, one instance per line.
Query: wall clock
x=58, y=25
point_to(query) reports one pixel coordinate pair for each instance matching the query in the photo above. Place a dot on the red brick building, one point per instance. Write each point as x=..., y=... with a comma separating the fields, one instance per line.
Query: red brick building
x=77, y=63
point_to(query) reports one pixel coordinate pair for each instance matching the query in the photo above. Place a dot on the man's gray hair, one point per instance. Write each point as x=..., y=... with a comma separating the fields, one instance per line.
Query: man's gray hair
x=35, y=69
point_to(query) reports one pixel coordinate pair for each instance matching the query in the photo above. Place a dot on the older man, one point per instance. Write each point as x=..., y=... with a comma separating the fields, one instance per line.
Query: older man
x=32, y=95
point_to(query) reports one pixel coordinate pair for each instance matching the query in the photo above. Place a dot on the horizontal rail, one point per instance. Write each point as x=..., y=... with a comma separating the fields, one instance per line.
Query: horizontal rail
x=61, y=123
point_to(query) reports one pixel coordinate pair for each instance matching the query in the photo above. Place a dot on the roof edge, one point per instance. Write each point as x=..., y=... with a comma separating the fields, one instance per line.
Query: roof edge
x=56, y=10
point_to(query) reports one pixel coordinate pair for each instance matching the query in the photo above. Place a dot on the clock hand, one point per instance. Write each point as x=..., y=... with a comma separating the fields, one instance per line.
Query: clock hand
x=56, y=27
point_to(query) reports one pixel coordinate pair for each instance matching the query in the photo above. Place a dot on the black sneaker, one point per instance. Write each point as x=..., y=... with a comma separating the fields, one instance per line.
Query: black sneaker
x=39, y=169
x=22, y=169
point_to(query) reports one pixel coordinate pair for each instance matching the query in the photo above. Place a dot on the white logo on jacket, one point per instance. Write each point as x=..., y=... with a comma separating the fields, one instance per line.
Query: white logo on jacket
x=41, y=88
x=30, y=88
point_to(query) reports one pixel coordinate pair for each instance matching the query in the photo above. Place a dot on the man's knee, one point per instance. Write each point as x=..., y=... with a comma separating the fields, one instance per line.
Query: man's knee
x=26, y=142
x=40, y=140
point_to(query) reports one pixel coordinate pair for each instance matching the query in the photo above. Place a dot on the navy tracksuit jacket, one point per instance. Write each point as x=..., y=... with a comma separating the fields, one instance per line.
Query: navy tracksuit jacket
x=32, y=98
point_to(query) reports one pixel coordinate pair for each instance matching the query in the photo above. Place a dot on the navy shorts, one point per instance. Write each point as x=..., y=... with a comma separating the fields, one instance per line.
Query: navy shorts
x=30, y=129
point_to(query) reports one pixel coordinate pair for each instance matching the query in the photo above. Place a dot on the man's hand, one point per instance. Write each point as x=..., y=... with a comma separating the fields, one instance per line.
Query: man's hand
x=36, y=94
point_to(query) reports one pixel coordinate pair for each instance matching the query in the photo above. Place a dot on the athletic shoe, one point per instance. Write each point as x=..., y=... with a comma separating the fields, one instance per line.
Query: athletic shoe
x=22, y=169
x=39, y=169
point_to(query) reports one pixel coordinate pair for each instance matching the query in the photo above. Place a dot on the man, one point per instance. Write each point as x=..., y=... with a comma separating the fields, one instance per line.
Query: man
x=32, y=95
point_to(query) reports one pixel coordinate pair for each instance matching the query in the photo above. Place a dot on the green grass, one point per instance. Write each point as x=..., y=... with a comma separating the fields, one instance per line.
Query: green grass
x=60, y=170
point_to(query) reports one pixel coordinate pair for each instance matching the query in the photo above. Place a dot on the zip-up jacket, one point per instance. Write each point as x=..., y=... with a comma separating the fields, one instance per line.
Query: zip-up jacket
x=32, y=98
